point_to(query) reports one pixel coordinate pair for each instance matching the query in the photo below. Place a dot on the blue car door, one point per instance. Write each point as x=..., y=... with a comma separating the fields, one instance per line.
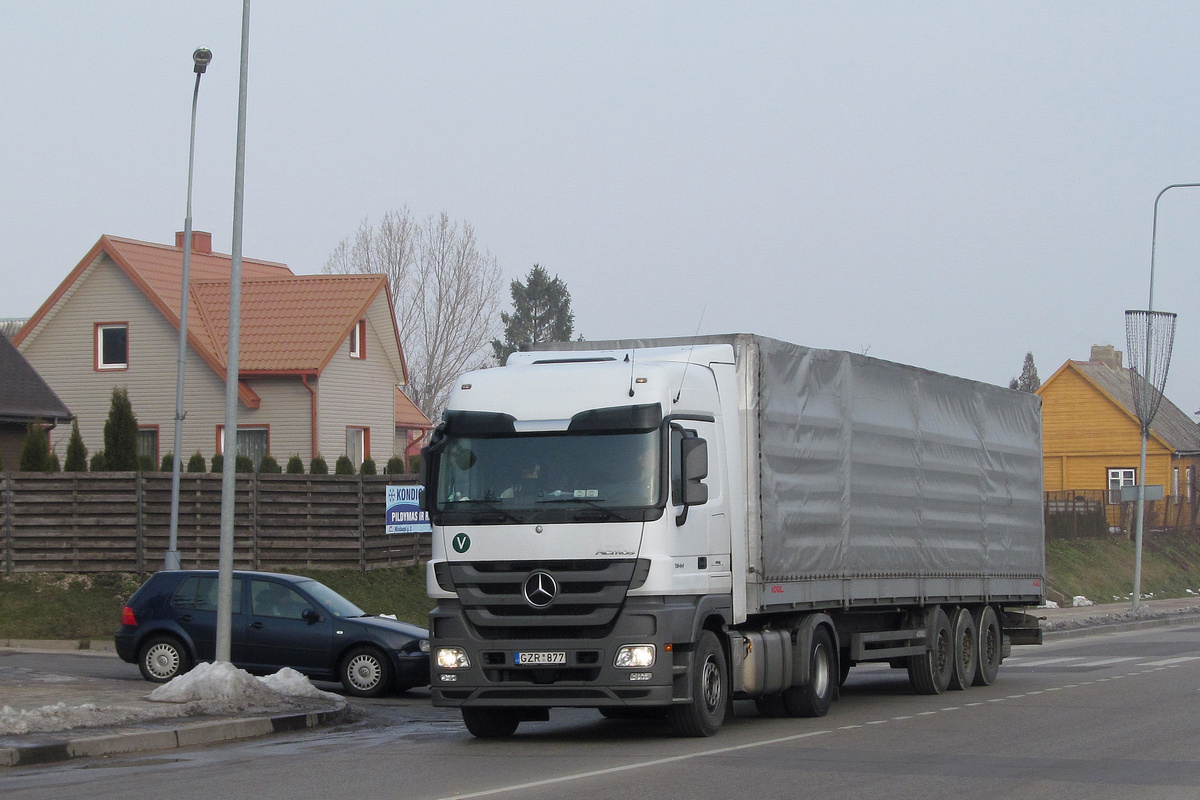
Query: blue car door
x=277, y=633
x=194, y=609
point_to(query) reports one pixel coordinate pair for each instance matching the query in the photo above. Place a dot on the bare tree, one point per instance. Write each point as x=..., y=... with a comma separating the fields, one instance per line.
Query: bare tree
x=445, y=293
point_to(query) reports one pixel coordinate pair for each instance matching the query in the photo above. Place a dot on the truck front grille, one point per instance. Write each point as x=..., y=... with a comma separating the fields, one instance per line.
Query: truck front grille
x=588, y=596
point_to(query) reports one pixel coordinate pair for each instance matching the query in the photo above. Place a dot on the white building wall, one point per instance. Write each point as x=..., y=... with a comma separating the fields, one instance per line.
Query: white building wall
x=358, y=392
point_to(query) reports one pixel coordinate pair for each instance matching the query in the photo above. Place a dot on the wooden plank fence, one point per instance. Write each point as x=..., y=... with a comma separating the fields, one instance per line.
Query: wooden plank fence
x=120, y=522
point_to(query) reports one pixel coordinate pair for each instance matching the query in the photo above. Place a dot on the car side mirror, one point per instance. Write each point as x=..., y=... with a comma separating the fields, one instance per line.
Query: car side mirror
x=310, y=616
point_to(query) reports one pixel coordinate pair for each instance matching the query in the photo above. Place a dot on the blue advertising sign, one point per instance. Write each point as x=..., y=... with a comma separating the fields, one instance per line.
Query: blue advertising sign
x=404, y=515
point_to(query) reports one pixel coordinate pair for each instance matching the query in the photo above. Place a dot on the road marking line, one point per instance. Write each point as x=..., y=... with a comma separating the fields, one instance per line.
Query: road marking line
x=1167, y=662
x=630, y=767
x=1041, y=662
x=1104, y=661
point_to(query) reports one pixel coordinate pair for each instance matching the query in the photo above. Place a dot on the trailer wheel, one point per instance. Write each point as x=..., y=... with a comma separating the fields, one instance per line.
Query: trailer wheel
x=814, y=697
x=930, y=672
x=966, y=649
x=710, y=691
x=991, y=644
x=490, y=723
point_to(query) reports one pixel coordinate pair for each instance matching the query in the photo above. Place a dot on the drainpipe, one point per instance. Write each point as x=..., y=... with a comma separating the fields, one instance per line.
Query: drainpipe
x=313, y=392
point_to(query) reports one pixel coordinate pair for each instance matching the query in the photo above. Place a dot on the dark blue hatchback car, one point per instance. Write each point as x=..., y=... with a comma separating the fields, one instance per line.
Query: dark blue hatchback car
x=278, y=621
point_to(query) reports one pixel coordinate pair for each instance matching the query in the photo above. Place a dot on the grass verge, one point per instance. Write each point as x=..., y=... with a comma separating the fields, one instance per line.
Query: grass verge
x=85, y=607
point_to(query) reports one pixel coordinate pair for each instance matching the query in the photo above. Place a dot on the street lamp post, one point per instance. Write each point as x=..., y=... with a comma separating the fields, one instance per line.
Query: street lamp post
x=232, y=362
x=1146, y=394
x=200, y=58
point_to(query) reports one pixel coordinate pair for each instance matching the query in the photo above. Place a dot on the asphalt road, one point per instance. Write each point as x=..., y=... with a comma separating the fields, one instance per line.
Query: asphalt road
x=1095, y=717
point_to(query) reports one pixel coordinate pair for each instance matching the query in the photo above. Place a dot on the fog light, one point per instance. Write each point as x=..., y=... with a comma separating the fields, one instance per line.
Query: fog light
x=635, y=655
x=452, y=658
x=424, y=646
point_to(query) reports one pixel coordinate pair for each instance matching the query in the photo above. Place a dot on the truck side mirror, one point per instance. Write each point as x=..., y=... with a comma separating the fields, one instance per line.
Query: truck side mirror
x=423, y=480
x=694, y=455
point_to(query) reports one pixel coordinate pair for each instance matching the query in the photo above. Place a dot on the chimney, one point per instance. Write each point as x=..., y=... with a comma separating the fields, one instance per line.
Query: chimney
x=1107, y=355
x=201, y=241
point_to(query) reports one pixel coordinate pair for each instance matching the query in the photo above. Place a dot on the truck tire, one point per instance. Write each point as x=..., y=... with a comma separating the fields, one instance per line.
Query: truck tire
x=490, y=723
x=991, y=646
x=966, y=649
x=816, y=695
x=930, y=672
x=710, y=691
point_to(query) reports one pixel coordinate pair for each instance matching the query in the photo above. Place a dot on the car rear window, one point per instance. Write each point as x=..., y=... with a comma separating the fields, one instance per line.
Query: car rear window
x=199, y=593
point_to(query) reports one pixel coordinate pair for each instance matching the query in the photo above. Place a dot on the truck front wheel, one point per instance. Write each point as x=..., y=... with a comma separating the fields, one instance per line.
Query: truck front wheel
x=710, y=691
x=491, y=723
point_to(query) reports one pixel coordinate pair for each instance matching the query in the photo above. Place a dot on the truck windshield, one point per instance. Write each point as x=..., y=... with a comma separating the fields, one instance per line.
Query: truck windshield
x=541, y=476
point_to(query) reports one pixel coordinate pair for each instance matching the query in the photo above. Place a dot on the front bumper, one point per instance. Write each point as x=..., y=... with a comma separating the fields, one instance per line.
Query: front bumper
x=586, y=679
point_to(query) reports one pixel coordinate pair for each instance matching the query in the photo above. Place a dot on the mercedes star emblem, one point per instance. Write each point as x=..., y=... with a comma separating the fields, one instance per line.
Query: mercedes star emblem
x=540, y=589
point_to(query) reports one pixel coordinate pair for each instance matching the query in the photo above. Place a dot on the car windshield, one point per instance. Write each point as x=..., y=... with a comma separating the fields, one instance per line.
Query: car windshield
x=333, y=602
x=514, y=476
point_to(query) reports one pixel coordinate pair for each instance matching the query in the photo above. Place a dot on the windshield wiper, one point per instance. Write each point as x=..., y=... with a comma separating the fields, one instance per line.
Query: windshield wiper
x=490, y=507
x=605, y=511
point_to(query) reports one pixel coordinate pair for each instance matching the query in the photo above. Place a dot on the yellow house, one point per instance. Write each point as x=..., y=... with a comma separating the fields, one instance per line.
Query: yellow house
x=1091, y=436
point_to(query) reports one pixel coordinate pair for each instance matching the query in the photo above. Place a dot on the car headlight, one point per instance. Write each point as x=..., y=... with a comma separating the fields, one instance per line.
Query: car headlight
x=635, y=655
x=452, y=658
x=424, y=646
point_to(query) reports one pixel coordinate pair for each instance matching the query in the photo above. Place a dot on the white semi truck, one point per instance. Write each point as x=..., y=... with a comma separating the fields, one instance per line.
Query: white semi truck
x=654, y=528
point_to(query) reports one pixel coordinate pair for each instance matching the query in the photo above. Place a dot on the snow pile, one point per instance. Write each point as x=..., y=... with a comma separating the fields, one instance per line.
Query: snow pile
x=215, y=689
x=61, y=717
x=1080, y=601
x=221, y=688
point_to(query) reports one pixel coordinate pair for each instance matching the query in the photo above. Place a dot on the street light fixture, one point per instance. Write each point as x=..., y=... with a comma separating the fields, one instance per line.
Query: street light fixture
x=1154, y=353
x=201, y=59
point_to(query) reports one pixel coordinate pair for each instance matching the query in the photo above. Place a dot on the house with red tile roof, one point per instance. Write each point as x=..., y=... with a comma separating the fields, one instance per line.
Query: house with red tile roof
x=321, y=360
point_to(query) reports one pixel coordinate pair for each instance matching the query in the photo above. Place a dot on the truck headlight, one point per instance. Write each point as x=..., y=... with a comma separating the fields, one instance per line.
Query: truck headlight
x=635, y=655
x=452, y=658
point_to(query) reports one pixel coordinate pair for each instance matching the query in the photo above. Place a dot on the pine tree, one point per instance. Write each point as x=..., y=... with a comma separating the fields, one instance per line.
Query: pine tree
x=1028, y=380
x=35, y=451
x=77, y=454
x=541, y=313
x=121, y=434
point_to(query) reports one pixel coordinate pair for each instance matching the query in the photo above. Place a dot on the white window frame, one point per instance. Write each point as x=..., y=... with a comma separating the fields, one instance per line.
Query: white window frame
x=358, y=441
x=358, y=336
x=101, y=328
x=1119, y=477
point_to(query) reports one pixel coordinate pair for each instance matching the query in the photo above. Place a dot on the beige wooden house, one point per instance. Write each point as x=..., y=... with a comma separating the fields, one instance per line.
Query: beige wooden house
x=320, y=355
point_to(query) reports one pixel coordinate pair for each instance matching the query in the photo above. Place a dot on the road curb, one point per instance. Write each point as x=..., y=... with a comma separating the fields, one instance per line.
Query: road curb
x=197, y=733
x=1092, y=627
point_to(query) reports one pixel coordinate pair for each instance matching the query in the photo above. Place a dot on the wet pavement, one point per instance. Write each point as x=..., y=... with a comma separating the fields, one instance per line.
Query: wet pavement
x=46, y=716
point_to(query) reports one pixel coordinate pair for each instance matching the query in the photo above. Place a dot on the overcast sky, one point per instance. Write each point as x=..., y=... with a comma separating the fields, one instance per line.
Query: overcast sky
x=942, y=184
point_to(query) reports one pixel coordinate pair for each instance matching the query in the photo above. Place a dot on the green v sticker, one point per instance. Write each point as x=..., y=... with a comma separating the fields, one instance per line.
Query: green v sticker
x=461, y=543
